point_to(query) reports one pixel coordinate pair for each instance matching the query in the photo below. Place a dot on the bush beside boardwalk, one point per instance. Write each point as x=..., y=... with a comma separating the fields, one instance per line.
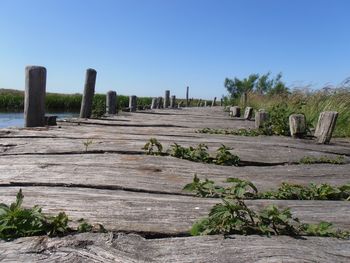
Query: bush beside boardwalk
x=309, y=103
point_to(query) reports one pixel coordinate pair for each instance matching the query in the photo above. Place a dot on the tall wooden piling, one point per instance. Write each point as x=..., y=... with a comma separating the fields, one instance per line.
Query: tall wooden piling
x=34, y=99
x=167, y=99
x=111, y=102
x=325, y=126
x=154, y=103
x=173, y=101
x=261, y=117
x=297, y=125
x=88, y=95
x=244, y=99
x=213, y=102
x=205, y=103
x=159, y=103
x=132, y=103
x=187, y=101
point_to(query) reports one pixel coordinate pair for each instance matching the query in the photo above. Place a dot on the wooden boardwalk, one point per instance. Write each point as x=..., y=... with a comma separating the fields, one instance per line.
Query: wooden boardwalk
x=116, y=184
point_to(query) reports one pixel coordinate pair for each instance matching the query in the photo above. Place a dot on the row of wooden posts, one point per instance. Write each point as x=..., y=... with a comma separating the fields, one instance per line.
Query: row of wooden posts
x=297, y=122
x=35, y=90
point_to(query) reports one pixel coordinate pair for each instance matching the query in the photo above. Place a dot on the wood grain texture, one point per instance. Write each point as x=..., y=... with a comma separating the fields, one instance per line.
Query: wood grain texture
x=133, y=248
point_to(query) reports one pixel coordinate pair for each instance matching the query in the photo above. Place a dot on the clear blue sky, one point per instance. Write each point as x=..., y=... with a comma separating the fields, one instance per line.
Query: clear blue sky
x=144, y=47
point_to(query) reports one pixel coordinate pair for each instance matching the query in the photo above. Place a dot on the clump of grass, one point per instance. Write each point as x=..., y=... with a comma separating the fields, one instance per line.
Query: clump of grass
x=323, y=159
x=16, y=221
x=238, y=132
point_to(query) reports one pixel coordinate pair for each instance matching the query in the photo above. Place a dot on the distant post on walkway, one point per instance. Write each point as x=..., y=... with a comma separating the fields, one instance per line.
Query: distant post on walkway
x=34, y=99
x=159, y=102
x=88, y=95
x=221, y=102
x=325, y=126
x=261, y=117
x=205, y=103
x=199, y=103
x=154, y=103
x=167, y=99
x=187, y=101
x=173, y=102
x=213, y=102
x=297, y=125
x=111, y=102
x=132, y=103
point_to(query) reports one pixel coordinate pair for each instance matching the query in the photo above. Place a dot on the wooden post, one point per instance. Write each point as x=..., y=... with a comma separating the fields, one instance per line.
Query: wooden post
x=160, y=103
x=111, y=102
x=221, y=102
x=132, y=103
x=34, y=99
x=89, y=91
x=297, y=125
x=213, y=102
x=167, y=99
x=179, y=105
x=205, y=103
x=235, y=111
x=187, y=101
x=248, y=113
x=199, y=103
x=154, y=103
x=325, y=126
x=261, y=117
x=173, y=102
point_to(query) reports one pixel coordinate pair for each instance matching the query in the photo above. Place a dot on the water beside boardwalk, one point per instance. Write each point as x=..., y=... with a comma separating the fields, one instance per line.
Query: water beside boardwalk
x=15, y=119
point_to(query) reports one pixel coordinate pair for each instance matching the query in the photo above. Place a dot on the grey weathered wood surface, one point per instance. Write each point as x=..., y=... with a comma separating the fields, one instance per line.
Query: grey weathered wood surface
x=114, y=183
x=125, y=248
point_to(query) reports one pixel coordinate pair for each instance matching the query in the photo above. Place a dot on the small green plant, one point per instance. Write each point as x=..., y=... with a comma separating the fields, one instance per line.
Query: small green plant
x=235, y=217
x=323, y=159
x=87, y=143
x=84, y=226
x=16, y=221
x=150, y=146
x=224, y=157
x=244, y=189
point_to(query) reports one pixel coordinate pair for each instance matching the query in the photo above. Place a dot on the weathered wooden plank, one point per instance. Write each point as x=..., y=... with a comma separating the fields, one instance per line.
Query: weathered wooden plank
x=159, y=213
x=152, y=173
x=124, y=248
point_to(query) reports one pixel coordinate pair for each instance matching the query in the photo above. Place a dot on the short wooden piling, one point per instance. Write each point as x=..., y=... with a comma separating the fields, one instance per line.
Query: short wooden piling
x=205, y=103
x=248, y=113
x=199, y=103
x=179, y=105
x=235, y=111
x=261, y=117
x=213, y=102
x=221, y=102
x=297, y=125
x=88, y=95
x=173, y=102
x=132, y=103
x=34, y=99
x=111, y=102
x=167, y=99
x=325, y=126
